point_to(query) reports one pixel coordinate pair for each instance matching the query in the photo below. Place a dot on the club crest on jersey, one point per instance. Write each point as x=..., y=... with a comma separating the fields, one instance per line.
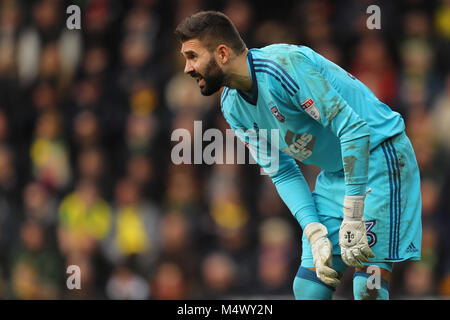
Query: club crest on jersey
x=277, y=114
x=311, y=109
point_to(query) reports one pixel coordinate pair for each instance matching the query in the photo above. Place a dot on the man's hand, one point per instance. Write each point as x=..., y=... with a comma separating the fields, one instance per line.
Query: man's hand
x=322, y=253
x=352, y=234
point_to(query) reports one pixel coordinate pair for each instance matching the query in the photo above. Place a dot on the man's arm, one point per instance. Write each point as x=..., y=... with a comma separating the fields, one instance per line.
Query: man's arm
x=294, y=191
x=354, y=136
x=285, y=174
x=337, y=116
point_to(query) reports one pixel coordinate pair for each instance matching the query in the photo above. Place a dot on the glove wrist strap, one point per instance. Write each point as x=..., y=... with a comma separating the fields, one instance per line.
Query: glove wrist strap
x=354, y=207
x=314, y=231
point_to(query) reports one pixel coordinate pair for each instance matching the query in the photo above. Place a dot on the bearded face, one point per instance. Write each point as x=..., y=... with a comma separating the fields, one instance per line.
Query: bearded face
x=211, y=80
x=201, y=65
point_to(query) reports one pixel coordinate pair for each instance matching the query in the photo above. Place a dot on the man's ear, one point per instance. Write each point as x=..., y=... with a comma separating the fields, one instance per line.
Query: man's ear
x=223, y=53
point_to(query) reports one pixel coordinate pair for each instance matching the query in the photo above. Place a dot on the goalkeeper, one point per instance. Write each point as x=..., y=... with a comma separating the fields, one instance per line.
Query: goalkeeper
x=366, y=206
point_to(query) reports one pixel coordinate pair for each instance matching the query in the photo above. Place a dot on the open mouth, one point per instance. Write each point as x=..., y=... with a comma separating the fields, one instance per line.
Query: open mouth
x=200, y=81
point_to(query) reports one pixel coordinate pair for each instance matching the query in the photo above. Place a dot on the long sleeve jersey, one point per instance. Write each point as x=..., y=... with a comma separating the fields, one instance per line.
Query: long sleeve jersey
x=312, y=110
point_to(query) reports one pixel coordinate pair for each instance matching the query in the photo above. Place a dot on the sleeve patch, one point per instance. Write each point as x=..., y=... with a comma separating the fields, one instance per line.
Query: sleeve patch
x=310, y=108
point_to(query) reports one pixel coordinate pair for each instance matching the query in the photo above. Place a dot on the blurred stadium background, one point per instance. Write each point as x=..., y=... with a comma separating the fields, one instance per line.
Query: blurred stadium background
x=85, y=171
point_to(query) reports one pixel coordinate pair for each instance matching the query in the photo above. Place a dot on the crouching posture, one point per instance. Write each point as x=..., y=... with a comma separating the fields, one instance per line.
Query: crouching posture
x=366, y=206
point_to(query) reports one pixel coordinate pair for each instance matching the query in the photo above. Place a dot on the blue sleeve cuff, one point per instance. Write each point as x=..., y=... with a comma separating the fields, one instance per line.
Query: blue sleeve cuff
x=307, y=216
x=355, y=189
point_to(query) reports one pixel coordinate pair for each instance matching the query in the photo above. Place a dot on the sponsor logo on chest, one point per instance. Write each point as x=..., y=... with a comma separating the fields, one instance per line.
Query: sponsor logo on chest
x=300, y=145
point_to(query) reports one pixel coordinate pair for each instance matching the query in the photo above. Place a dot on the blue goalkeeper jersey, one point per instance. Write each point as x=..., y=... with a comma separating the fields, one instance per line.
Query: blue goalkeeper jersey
x=322, y=115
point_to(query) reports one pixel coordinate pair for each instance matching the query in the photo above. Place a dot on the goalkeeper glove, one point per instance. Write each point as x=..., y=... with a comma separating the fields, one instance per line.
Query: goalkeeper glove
x=321, y=248
x=352, y=234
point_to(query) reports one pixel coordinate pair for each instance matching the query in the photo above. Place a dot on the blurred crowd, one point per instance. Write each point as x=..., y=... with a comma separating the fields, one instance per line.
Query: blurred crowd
x=86, y=176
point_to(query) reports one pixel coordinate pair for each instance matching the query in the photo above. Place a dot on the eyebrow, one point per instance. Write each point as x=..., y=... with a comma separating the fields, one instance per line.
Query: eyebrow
x=189, y=52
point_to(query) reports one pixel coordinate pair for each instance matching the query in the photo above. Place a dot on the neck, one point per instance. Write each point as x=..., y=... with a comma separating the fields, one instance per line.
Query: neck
x=239, y=75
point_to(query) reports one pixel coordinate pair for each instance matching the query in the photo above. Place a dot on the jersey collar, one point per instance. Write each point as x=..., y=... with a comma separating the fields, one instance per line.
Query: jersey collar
x=252, y=97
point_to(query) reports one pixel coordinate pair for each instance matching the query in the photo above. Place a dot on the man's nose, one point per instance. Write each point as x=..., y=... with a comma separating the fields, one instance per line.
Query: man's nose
x=188, y=68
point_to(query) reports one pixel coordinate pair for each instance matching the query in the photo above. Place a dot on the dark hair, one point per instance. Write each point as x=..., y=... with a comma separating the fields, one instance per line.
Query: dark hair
x=212, y=28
